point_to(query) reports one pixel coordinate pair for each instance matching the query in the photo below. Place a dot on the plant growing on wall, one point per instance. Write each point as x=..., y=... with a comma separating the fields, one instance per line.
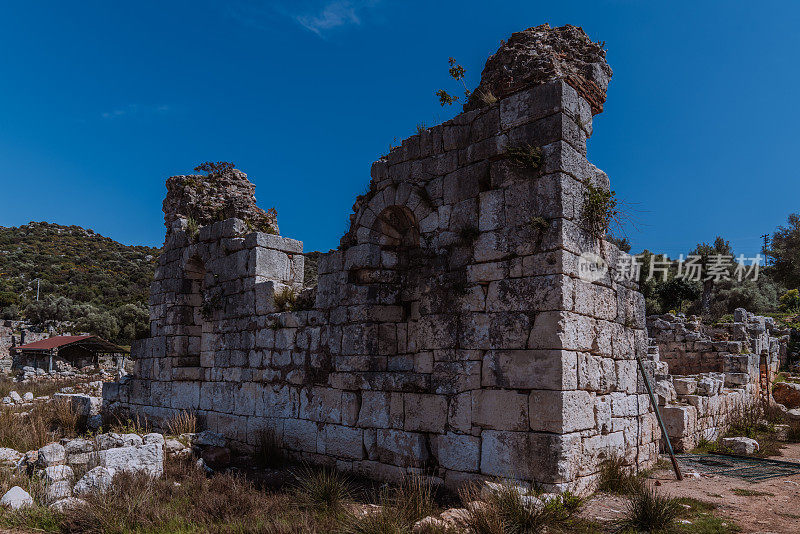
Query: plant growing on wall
x=525, y=156
x=215, y=168
x=457, y=72
x=599, y=209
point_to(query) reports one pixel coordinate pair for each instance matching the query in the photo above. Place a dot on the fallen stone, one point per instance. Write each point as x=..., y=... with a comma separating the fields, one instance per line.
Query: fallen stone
x=51, y=454
x=741, y=445
x=57, y=473
x=108, y=441
x=206, y=438
x=16, y=498
x=28, y=397
x=9, y=457
x=144, y=458
x=132, y=440
x=98, y=479
x=154, y=438
x=15, y=397
x=58, y=491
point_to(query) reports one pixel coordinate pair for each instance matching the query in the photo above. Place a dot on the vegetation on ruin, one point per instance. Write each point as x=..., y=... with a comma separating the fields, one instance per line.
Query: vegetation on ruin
x=525, y=156
x=212, y=168
x=599, y=209
x=456, y=72
x=285, y=299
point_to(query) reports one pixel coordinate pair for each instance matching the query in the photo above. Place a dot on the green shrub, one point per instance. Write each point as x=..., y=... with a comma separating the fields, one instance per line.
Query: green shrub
x=324, y=489
x=525, y=156
x=647, y=511
x=599, y=209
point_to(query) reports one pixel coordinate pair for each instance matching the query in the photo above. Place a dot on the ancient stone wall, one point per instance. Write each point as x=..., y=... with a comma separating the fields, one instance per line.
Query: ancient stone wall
x=450, y=334
x=704, y=375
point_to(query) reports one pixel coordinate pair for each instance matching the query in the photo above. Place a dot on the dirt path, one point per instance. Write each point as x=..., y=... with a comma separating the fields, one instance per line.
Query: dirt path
x=771, y=506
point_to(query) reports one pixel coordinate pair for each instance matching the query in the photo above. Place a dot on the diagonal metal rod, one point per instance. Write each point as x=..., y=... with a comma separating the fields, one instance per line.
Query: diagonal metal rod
x=654, y=404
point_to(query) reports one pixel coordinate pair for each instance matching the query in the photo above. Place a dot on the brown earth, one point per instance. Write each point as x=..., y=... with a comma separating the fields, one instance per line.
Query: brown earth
x=772, y=507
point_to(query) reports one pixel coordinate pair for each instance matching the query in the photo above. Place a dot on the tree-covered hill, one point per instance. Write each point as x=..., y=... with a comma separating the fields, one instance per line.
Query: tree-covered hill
x=83, y=275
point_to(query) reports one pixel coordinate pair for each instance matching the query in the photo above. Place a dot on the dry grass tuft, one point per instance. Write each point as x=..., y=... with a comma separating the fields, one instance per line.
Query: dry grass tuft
x=183, y=422
x=185, y=500
x=322, y=489
x=648, y=511
x=509, y=510
x=616, y=477
x=46, y=422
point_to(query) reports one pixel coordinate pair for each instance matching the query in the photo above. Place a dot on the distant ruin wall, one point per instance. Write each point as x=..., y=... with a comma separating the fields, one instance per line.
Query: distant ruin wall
x=705, y=374
x=451, y=334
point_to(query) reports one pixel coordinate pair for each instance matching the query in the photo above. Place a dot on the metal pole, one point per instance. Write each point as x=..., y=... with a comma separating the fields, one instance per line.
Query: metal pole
x=38, y=283
x=653, y=402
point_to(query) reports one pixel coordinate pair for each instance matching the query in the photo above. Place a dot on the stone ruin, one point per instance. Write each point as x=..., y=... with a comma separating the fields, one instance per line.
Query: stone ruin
x=450, y=334
x=704, y=374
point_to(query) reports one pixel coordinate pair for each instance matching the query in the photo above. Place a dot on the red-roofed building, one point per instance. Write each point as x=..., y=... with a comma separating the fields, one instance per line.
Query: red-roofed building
x=61, y=351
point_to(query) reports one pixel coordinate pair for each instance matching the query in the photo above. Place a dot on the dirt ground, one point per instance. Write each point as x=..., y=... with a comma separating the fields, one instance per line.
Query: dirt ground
x=773, y=505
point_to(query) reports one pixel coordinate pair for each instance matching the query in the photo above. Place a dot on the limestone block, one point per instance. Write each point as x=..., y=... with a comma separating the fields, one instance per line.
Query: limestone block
x=562, y=330
x=491, y=215
x=547, y=458
x=741, y=363
x=459, y=412
x=680, y=421
x=424, y=412
x=737, y=379
x=551, y=292
x=685, y=385
x=500, y=409
x=401, y=448
x=457, y=451
x=530, y=369
x=561, y=411
x=300, y=435
x=509, y=330
x=344, y=442
x=147, y=459
x=321, y=404
x=381, y=409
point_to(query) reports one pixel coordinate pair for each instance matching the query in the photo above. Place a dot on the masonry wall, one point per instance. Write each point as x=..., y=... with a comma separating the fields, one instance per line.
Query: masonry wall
x=705, y=375
x=450, y=333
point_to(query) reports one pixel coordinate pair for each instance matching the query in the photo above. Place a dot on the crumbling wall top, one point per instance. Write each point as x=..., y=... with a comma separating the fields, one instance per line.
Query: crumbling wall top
x=215, y=197
x=542, y=54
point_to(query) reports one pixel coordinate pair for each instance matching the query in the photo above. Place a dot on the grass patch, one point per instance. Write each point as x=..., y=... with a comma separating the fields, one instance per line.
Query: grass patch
x=324, y=490
x=45, y=423
x=616, y=477
x=525, y=156
x=183, y=422
x=701, y=518
x=509, y=510
x=285, y=299
x=751, y=493
x=649, y=511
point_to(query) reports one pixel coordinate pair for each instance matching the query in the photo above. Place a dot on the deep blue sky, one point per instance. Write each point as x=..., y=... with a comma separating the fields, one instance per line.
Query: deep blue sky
x=101, y=101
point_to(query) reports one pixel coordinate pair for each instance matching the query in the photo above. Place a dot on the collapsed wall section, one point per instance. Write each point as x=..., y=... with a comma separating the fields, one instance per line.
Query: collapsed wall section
x=450, y=334
x=705, y=376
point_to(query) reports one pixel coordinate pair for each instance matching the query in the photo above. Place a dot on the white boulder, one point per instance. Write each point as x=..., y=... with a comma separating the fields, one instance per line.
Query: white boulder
x=16, y=498
x=51, y=454
x=98, y=479
x=144, y=458
x=57, y=473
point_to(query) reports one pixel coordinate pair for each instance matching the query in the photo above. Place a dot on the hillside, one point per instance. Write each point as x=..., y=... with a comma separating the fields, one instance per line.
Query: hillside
x=77, y=267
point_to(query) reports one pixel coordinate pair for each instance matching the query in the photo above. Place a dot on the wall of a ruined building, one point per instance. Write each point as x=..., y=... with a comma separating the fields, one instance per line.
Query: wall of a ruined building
x=707, y=374
x=486, y=356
